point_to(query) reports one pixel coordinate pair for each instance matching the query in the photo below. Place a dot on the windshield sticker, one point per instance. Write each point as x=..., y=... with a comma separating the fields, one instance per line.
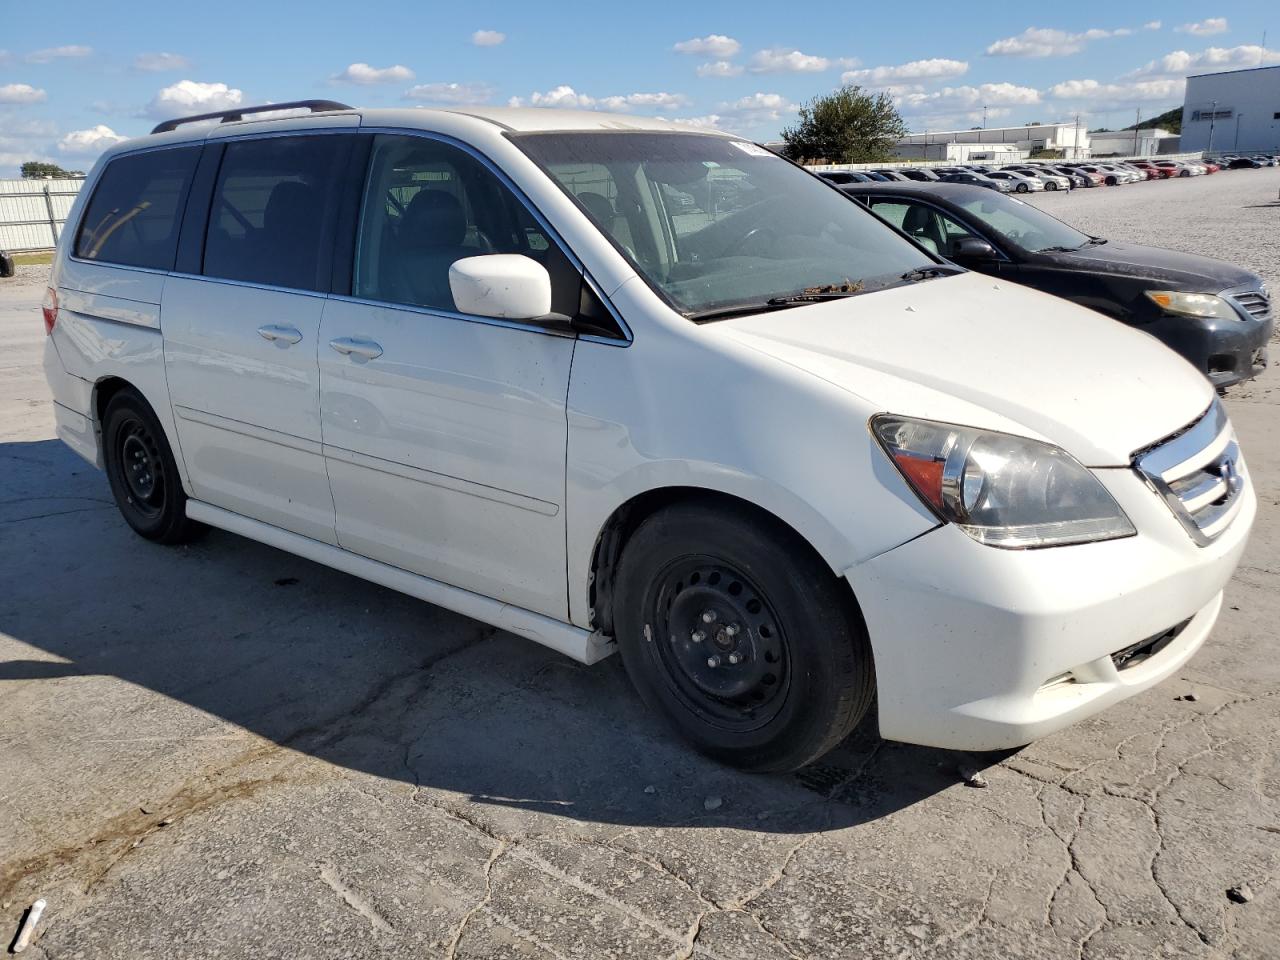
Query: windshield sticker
x=750, y=149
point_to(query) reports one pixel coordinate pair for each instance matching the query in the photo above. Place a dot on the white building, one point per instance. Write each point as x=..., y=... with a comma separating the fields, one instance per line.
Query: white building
x=1144, y=142
x=1071, y=138
x=1238, y=110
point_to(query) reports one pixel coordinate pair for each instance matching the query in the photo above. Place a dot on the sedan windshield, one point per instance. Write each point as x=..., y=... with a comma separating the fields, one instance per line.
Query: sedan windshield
x=715, y=224
x=1024, y=225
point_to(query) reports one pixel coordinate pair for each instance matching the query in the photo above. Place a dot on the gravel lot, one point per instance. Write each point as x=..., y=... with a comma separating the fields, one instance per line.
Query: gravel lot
x=226, y=751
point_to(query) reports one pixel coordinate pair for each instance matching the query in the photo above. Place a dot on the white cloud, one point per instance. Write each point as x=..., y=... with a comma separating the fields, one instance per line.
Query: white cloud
x=1118, y=94
x=757, y=109
x=21, y=93
x=1205, y=28
x=716, y=46
x=23, y=140
x=160, y=62
x=488, y=38
x=935, y=69
x=91, y=142
x=566, y=98
x=1152, y=25
x=711, y=121
x=1042, y=42
x=450, y=93
x=365, y=75
x=188, y=97
x=48, y=54
x=779, y=60
x=718, y=68
x=1180, y=63
x=952, y=102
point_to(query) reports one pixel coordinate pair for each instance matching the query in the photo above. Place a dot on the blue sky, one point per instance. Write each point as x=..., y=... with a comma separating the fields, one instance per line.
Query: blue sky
x=75, y=80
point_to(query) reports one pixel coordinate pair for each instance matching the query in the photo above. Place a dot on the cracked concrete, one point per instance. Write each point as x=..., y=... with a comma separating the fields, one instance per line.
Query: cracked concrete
x=222, y=751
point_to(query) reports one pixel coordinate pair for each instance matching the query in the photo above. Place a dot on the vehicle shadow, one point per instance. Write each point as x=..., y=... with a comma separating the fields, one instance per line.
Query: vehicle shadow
x=359, y=676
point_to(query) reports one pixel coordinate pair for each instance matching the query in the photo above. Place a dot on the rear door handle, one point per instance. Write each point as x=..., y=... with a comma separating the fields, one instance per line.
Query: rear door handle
x=361, y=348
x=275, y=331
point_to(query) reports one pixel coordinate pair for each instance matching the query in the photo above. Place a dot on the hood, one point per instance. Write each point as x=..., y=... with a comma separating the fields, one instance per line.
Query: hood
x=1183, y=271
x=988, y=353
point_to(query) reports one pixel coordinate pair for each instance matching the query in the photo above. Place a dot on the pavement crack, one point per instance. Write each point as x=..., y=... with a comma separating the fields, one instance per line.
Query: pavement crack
x=353, y=900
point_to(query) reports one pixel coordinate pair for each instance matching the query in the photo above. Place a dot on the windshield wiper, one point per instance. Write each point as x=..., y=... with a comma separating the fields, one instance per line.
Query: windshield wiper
x=1094, y=242
x=737, y=310
x=928, y=273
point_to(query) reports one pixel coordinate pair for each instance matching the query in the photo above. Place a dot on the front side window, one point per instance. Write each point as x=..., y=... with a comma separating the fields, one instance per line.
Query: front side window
x=428, y=204
x=714, y=224
x=271, y=217
x=133, y=216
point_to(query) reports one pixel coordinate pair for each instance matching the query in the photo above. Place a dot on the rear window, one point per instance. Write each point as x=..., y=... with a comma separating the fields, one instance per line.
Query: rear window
x=136, y=209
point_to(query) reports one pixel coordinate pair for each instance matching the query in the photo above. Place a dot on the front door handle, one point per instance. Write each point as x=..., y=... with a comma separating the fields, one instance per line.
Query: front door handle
x=353, y=345
x=275, y=331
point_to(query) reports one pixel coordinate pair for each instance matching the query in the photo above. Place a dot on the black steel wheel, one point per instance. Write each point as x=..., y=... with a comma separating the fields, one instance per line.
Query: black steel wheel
x=142, y=472
x=736, y=632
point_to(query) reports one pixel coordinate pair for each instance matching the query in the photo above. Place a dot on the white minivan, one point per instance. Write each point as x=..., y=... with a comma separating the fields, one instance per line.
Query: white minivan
x=609, y=382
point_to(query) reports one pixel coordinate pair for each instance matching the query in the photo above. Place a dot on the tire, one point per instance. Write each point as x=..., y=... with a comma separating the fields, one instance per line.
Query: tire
x=1023, y=188
x=806, y=676
x=1050, y=185
x=142, y=472
x=1184, y=173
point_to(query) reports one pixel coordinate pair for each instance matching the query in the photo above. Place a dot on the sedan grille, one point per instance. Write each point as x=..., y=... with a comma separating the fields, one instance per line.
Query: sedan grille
x=1255, y=303
x=1199, y=473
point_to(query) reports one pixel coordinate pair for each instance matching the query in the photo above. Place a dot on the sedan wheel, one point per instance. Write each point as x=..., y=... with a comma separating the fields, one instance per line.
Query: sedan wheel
x=1051, y=185
x=1023, y=188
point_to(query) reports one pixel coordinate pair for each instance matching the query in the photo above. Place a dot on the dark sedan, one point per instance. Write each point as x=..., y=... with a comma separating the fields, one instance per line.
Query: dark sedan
x=1216, y=315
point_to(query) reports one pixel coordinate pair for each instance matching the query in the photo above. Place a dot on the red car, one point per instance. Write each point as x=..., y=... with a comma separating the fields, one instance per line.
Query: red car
x=1153, y=171
x=1211, y=167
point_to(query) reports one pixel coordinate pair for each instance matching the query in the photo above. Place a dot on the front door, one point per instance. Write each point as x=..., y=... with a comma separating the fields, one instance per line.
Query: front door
x=240, y=339
x=444, y=434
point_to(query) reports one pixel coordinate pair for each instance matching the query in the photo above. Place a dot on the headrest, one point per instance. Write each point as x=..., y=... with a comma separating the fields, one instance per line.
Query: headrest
x=292, y=208
x=434, y=219
x=598, y=206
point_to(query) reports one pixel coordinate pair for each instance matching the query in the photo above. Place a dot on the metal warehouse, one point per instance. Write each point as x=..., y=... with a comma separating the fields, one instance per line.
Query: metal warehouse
x=1238, y=110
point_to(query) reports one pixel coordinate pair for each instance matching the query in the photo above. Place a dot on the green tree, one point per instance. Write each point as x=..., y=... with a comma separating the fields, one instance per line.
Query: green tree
x=38, y=170
x=847, y=126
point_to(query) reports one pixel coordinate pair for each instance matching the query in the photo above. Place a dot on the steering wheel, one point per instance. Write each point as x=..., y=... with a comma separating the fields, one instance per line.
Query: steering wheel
x=760, y=229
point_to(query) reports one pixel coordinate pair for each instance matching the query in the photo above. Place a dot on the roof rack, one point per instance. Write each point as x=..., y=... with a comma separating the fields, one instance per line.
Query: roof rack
x=230, y=116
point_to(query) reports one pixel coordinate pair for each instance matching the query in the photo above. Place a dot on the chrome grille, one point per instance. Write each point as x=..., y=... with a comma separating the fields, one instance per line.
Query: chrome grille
x=1199, y=473
x=1255, y=303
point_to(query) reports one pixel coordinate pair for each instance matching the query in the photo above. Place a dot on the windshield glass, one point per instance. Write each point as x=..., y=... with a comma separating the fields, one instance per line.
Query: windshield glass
x=1024, y=225
x=714, y=223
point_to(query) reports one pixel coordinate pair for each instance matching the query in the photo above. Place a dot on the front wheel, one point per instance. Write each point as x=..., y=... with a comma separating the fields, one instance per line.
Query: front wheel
x=1023, y=188
x=142, y=472
x=732, y=629
x=1051, y=185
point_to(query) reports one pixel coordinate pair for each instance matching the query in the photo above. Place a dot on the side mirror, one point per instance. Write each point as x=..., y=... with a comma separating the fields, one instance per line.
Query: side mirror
x=971, y=248
x=506, y=286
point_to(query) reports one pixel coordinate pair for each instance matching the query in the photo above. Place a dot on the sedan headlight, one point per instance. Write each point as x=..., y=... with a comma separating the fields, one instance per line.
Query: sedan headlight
x=1192, y=304
x=1002, y=490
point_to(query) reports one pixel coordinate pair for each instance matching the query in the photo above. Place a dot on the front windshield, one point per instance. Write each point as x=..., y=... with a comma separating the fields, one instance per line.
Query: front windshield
x=714, y=223
x=1024, y=225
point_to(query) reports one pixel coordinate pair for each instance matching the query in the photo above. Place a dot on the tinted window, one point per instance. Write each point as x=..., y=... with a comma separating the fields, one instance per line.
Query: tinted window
x=272, y=211
x=427, y=204
x=136, y=209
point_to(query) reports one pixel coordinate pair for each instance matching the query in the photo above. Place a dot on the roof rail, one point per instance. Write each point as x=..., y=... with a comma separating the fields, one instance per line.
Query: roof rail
x=229, y=116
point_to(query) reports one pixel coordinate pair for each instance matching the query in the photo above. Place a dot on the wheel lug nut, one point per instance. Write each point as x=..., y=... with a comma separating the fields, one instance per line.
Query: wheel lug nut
x=708, y=616
x=732, y=630
x=735, y=658
x=713, y=662
x=698, y=636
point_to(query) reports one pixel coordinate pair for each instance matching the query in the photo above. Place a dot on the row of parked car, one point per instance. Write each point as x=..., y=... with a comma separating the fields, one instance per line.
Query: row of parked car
x=1033, y=177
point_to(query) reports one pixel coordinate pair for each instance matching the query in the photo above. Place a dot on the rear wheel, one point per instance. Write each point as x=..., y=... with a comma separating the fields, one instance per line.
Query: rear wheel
x=741, y=637
x=142, y=472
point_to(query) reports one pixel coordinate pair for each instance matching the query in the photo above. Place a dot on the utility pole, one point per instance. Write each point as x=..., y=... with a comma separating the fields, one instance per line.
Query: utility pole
x=1213, y=116
x=1137, y=124
x=1236, y=145
x=1075, y=153
x=984, y=116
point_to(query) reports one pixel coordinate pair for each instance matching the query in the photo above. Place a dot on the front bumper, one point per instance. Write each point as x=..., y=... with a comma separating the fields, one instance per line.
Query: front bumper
x=1225, y=351
x=979, y=648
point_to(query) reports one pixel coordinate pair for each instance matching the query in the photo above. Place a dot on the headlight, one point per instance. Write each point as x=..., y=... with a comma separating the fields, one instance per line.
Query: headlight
x=1192, y=304
x=1001, y=490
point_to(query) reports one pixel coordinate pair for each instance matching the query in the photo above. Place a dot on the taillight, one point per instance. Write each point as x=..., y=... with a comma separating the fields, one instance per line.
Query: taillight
x=50, y=309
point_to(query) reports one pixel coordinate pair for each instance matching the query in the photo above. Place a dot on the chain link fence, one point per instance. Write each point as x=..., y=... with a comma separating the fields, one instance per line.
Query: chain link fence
x=33, y=212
